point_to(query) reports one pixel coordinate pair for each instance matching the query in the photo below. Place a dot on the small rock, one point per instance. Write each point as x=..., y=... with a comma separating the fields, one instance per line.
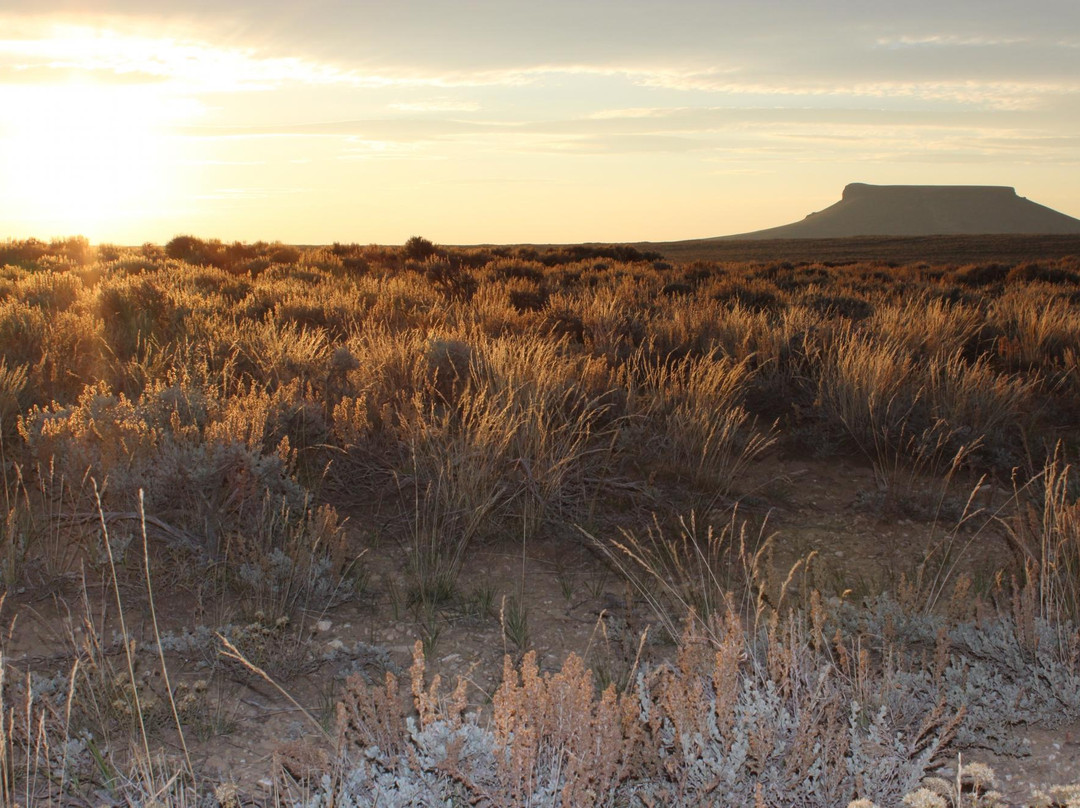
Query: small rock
x=323, y=626
x=335, y=644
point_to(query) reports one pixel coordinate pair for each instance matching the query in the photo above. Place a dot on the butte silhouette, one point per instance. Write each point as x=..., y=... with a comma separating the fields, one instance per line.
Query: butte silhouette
x=925, y=210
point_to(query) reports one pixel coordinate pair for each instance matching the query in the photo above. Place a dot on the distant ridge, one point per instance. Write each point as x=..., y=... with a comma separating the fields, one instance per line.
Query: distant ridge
x=925, y=210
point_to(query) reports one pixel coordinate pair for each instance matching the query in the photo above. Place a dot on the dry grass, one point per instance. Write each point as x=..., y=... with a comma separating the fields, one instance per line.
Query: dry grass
x=249, y=395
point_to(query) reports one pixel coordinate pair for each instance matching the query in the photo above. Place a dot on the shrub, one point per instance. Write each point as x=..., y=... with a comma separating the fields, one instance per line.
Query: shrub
x=189, y=249
x=137, y=312
x=689, y=413
x=283, y=254
x=851, y=308
x=771, y=720
x=450, y=278
x=1027, y=273
x=982, y=275
x=418, y=248
x=528, y=299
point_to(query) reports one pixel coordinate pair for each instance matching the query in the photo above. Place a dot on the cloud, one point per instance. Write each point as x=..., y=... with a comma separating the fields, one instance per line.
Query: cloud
x=998, y=58
x=362, y=149
x=374, y=130
x=950, y=41
x=634, y=113
x=248, y=193
x=805, y=134
x=436, y=105
x=198, y=65
x=46, y=49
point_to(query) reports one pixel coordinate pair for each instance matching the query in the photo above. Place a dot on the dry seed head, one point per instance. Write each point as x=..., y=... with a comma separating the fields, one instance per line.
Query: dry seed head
x=978, y=774
x=1040, y=799
x=924, y=798
x=939, y=786
x=121, y=706
x=1068, y=796
x=227, y=795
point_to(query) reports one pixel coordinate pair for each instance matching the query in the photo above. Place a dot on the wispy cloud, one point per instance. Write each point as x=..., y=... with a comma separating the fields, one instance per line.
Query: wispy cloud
x=198, y=65
x=249, y=193
x=360, y=149
x=992, y=94
x=634, y=112
x=950, y=41
x=41, y=50
x=436, y=105
x=802, y=133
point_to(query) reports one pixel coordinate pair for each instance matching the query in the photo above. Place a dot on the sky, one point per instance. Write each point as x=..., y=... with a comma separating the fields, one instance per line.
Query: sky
x=498, y=121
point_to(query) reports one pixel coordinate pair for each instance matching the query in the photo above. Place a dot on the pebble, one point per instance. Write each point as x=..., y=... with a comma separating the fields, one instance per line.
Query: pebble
x=335, y=644
x=323, y=626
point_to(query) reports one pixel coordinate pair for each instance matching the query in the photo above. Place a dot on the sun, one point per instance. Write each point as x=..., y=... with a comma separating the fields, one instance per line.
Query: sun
x=84, y=157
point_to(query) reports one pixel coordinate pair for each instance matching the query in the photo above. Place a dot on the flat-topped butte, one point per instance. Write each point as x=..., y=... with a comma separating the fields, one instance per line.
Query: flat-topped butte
x=925, y=210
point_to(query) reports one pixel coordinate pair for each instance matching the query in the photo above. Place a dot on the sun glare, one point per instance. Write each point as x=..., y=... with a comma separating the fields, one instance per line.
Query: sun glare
x=84, y=157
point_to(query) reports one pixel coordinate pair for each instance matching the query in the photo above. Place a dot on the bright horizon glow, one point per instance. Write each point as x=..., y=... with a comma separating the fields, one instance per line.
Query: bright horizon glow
x=84, y=156
x=509, y=122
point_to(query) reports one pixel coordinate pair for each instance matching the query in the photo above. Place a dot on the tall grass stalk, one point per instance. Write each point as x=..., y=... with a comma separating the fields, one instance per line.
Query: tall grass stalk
x=698, y=573
x=157, y=641
x=129, y=652
x=1046, y=534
